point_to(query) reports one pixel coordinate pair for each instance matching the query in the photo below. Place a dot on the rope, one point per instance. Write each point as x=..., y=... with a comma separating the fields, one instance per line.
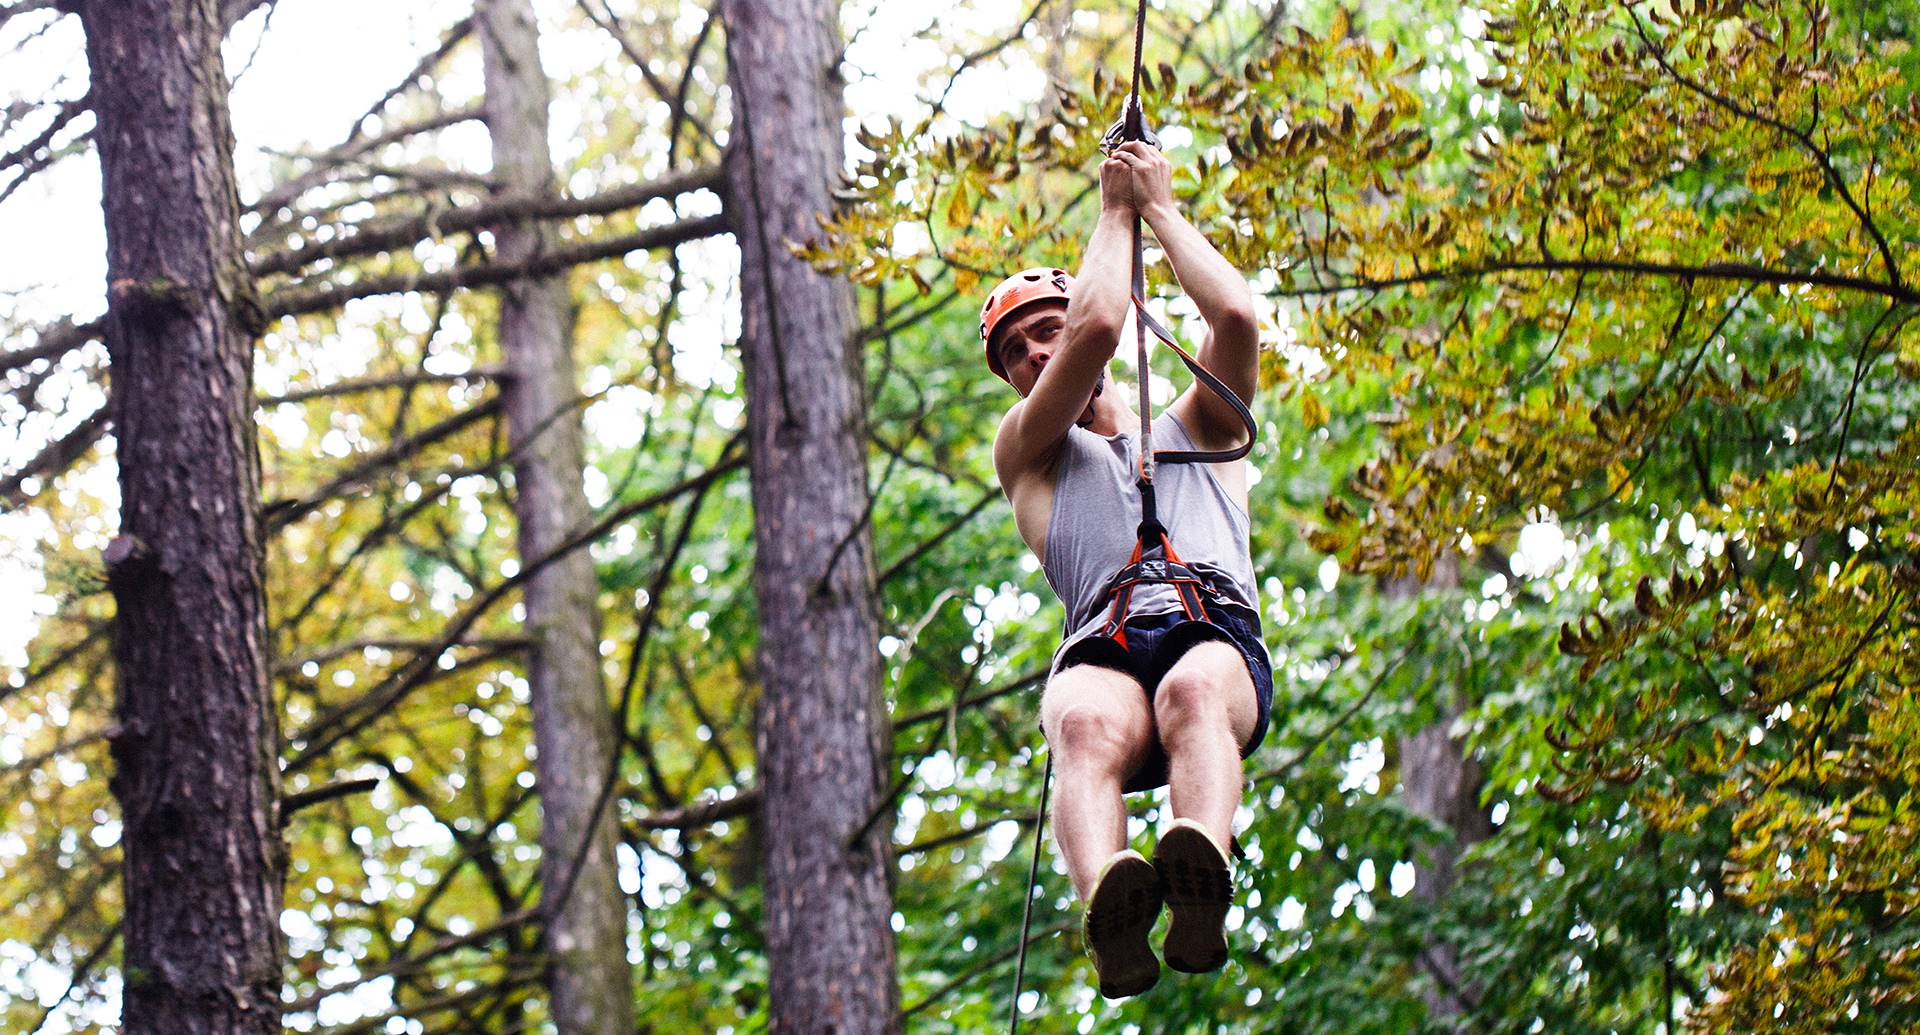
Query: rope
x=1033, y=877
x=1134, y=127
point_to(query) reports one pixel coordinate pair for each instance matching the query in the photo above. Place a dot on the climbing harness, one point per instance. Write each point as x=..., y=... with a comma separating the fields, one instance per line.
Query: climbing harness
x=1153, y=560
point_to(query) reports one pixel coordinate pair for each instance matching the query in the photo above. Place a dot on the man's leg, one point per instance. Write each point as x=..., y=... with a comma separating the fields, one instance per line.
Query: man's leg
x=1098, y=728
x=1204, y=710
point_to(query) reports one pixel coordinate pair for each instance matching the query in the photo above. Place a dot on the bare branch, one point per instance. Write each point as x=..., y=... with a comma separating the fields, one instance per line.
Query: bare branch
x=301, y=299
x=459, y=31
x=326, y=162
x=374, y=384
x=913, y=556
x=987, y=964
x=32, y=149
x=336, y=651
x=54, y=342
x=54, y=460
x=1733, y=271
x=283, y=512
x=404, y=233
x=293, y=803
x=676, y=99
x=704, y=814
x=417, y=962
x=65, y=747
x=331, y=728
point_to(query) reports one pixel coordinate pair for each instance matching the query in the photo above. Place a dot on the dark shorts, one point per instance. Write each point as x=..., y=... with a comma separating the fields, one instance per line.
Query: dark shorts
x=1155, y=643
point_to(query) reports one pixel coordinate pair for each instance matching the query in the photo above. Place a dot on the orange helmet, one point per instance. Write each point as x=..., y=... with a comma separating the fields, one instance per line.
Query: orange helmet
x=1039, y=284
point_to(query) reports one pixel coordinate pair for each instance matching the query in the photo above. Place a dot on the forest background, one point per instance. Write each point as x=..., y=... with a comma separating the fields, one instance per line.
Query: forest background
x=1584, y=508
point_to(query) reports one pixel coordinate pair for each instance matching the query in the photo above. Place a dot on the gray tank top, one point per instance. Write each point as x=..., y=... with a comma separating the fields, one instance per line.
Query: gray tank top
x=1096, y=512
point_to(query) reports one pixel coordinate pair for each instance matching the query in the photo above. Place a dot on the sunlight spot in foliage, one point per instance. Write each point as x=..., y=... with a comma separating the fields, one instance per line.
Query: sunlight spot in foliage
x=1541, y=549
x=1363, y=766
x=910, y=238
x=1343, y=898
x=937, y=771
x=1293, y=913
x=628, y=863
x=1329, y=573
x=1001, y=837
x=1400, y=879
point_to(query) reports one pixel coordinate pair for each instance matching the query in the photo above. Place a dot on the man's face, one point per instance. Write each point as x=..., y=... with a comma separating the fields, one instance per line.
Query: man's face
x=1027, y=340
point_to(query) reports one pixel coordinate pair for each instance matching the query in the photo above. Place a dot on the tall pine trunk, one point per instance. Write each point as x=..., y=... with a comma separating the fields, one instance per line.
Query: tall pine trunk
x=195, y=767
x=1441, y=783
x=821, y=730
x=590, y=985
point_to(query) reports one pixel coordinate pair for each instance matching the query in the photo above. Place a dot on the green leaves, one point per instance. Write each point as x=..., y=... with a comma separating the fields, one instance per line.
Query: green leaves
x=1635, y=272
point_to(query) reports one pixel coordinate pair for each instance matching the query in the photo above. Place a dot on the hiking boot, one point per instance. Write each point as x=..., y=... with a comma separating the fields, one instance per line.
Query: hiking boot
x=1120, y=914
x=1197, y=881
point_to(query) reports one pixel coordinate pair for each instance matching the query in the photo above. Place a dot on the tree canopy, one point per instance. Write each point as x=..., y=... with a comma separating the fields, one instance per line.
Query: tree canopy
x=1592, y=317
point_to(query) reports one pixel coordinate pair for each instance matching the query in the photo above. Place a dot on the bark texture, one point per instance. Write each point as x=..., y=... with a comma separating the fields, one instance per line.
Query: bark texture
x=590, y=985
x=195, y=768
x=1442, y=784
x=821, y=730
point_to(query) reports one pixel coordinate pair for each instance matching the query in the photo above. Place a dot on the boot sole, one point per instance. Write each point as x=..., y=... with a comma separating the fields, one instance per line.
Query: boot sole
x=1120, y=915
x=1199, y=891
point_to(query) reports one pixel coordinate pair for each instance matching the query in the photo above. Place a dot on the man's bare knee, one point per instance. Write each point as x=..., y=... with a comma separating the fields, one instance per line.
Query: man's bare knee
x=1097, y=721
x=1199, y=694
x=1186, y=701
x=1086, y=734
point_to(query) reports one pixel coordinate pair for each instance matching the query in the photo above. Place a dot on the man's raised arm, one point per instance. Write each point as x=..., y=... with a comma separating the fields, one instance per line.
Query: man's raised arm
x=1095, y=312
x=1232, y=346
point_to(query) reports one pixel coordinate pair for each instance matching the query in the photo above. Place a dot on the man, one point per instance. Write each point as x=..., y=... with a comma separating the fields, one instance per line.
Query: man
x=1172, y=700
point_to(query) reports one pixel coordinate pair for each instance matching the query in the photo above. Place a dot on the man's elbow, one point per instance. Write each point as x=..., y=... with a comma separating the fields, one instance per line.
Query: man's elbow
x=1092, y=330
x=1235, y=321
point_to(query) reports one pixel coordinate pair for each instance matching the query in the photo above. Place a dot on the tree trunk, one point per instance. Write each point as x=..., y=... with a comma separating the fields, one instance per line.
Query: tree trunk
x=1442, y=784
x=821, y=729
x=195, y=768
x=589, y=982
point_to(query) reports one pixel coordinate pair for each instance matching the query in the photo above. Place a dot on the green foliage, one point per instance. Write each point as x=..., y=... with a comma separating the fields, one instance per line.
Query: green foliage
x=1627, y=278
x=1634, y=271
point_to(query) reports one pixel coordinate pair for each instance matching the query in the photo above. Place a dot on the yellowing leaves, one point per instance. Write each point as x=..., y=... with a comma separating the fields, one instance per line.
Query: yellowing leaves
x=1313, y=412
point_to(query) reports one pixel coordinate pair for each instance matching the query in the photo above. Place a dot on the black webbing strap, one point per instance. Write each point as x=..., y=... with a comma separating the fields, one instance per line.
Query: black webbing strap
x=1214, y=385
